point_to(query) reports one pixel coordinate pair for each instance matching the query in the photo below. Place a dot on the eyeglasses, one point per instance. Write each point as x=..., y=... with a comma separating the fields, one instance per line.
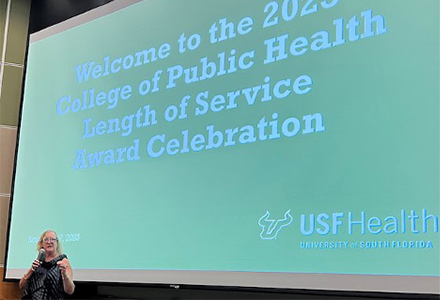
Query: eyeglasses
x=50, y=240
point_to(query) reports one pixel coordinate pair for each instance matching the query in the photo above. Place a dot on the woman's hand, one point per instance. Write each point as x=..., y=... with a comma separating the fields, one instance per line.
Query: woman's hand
x=64, y=266
x=35, y=264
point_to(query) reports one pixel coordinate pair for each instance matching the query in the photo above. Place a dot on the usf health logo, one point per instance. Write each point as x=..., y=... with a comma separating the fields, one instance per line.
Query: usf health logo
x=270, y=227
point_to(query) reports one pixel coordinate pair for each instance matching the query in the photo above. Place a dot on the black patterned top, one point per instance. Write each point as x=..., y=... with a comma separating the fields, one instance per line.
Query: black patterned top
x=46, y=282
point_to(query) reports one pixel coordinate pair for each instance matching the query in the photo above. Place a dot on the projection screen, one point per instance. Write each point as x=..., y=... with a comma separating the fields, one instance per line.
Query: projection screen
x=278, y=144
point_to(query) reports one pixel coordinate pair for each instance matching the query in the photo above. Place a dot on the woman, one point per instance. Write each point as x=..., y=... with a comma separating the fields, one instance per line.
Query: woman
x=51, y=278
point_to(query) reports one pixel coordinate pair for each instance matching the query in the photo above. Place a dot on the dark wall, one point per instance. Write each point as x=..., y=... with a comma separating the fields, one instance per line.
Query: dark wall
x=90, y=291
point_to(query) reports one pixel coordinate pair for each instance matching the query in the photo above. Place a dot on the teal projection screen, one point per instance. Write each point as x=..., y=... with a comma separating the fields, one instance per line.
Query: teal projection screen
x=280, y=144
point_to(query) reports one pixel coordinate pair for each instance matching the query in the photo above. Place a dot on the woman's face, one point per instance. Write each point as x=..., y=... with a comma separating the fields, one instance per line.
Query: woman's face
x=50, y=242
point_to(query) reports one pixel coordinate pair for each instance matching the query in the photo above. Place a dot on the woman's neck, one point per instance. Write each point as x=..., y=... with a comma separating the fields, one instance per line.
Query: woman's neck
x=50, y=256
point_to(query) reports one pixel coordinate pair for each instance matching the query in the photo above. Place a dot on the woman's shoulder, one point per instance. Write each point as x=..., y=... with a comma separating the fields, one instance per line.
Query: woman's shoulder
x=59, y=258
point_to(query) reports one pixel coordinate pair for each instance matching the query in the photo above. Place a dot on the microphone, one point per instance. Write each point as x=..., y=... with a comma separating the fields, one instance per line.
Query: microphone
x=41, y=255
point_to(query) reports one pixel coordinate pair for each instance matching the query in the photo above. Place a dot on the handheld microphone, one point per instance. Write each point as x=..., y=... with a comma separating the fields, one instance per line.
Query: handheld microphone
x=41, y=255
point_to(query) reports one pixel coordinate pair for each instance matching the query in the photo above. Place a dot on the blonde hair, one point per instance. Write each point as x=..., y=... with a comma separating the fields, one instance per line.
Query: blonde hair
x=58, y=249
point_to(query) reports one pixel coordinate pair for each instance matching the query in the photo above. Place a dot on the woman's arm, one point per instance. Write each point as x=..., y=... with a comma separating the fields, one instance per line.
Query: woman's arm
x=67, y=274
x=28, y=274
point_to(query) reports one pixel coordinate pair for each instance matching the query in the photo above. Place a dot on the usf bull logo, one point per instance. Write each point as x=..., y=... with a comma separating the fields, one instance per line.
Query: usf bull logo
x=270, y=228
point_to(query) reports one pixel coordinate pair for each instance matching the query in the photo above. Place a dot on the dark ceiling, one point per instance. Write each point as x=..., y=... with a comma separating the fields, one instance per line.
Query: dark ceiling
x=45, y=13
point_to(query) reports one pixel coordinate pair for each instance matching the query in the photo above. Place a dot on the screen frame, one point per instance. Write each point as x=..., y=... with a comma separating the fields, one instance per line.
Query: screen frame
x=326, y=283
